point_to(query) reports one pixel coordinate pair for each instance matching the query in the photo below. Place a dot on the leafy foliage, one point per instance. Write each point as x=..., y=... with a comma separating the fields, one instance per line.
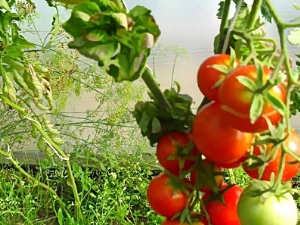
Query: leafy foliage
x=154, y=121
x=119, y=41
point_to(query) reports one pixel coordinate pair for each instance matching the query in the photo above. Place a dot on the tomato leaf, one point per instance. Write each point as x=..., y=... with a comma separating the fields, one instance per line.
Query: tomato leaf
x=219, y=82
x=276, y=103
x=221, y=68
x=155, y=121
x=260, y=74
x=156, y=126
x=256, y=107
x=122, y=47
x=247, y=82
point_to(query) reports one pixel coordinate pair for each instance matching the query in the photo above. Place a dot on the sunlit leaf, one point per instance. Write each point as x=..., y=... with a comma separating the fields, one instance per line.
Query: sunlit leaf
x=276, y=103
x=247, y=82
x=294, y=36
x=256, y=107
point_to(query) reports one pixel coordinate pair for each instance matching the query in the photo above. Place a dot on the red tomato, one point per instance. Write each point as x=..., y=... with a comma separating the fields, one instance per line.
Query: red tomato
x=175, y=143
x=209, y=76
x=291, y=167
x=232, y=165
x=205, y=175
x=163, y=198
x=216, y=139
x=237, y=99
x=224, y=214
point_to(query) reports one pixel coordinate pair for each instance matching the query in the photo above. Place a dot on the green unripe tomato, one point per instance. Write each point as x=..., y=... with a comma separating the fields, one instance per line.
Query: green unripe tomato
x=266, y=209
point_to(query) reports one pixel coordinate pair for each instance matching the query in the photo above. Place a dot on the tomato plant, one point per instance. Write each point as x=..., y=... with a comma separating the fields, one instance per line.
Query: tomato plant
x=216, y=139
x=212, y=72
x=291, y=165
x=238, y=103
x=177, y=222
x=224, y=213
x=165, y=199
x=266, y=208
x=195, y=220
x=208, y=177
x=175, y=152
x=249, y=84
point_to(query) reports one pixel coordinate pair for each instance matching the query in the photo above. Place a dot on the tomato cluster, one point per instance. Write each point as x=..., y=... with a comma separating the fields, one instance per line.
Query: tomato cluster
x=227, y=133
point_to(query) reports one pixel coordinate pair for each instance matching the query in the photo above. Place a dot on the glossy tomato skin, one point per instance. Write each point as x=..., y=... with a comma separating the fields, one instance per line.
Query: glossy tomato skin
x=205, y=177
x=207, y=76
x=275, y=210
x=236, y=100
x=225, y=214
x=233, y=164
x=216, y=139
x=163, y=198
x=165, y=148
x=291, y=167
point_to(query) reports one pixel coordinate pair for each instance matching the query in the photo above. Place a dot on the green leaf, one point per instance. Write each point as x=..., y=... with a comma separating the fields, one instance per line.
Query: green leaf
x=8, y=85
x=276, y=103
x=219, y=82
x=60, y=216
x=220, y=10
x=4, y=5
x=256, y=107
x=247, y=82
x=55, y=28
x=260, y=74
x=221, y=68
x=119, y=41
x=266, y=12
x=294, y=36
x=143, y=124
x=156, y=126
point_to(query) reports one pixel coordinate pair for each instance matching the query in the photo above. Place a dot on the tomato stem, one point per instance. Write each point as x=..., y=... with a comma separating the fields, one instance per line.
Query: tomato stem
x=231, y=25
x=254, y=13
x=281, y=169
x=147, y=77
x=224, y=24
x=154, y=88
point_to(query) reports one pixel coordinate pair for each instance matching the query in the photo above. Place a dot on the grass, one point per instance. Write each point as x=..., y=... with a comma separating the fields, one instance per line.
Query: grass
x=112, y=193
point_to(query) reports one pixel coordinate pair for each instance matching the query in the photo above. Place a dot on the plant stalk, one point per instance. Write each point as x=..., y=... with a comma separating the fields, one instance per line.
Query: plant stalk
x=154, y=88
x=224, y=24
x=254, y=13
x=38, y=126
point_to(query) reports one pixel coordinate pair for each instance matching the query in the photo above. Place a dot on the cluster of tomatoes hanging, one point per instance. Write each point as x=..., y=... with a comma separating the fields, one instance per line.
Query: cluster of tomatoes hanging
x=224, y=134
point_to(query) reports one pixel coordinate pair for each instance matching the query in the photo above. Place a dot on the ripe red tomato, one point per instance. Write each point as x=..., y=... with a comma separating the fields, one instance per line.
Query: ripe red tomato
x=175, y=143
x=275, y=210
x=206, y=176
x=233, y=164
x=163, y=198
x=216, y=139
x=224, y=214
x=237, y=99
x=291, y=167
x=209, y=76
